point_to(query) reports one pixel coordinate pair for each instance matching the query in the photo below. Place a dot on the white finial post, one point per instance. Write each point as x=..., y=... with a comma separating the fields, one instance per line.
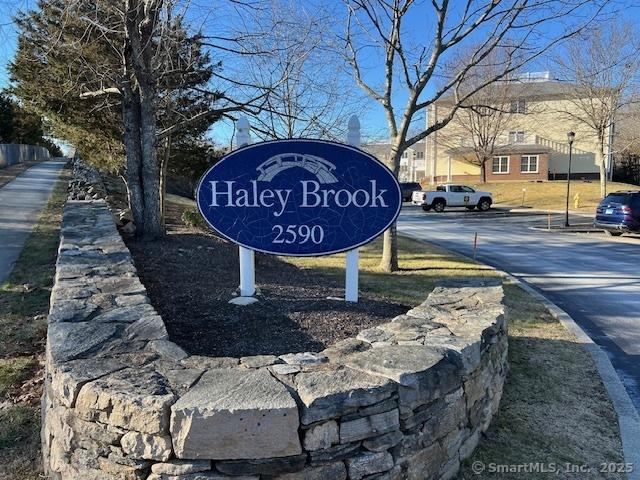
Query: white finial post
x=247, y=256
x=243, y=132
x=353, y=256
x=353, y=134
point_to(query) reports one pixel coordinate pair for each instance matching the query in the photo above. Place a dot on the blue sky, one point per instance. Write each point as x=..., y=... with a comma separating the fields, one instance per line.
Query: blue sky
x=418, y=27
x=8, y=9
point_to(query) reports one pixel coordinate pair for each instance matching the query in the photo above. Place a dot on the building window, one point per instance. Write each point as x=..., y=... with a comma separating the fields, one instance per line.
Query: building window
x=420, y=155
x=516, y=137
x=518, y=106
x=500, y=165
x=404, y=154
x=529, y=164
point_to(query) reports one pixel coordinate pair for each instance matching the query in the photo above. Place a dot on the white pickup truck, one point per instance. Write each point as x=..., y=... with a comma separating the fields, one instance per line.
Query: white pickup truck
x=451, y=195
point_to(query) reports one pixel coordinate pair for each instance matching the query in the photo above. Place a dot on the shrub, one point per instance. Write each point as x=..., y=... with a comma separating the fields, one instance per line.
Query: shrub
x=192, y=218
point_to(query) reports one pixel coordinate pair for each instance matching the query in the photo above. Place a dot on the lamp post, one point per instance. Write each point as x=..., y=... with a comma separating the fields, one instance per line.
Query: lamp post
x=570, y=137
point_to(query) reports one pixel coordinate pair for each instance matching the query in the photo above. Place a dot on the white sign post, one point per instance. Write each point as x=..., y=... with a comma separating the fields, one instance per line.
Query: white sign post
x=353, y=256
x=247, y=256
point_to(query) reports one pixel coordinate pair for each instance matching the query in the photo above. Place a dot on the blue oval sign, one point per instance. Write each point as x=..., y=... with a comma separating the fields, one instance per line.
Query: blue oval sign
x=299, y=197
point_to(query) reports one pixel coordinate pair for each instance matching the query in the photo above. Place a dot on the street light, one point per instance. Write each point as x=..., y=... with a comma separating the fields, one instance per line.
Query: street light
x=570, y=137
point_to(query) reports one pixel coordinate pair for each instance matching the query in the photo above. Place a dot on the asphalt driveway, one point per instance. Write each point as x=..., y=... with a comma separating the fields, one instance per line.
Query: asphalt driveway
x=593, y=278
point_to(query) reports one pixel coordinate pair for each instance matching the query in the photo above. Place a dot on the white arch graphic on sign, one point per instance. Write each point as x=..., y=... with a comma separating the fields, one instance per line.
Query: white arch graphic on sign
x=320, y=167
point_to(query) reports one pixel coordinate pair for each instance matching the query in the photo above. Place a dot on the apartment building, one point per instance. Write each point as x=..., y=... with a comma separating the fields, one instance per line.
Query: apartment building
x=413, y=165
x=531, y=144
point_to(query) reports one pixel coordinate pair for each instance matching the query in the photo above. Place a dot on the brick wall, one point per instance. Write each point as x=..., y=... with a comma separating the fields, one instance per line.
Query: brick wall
x=515, y=174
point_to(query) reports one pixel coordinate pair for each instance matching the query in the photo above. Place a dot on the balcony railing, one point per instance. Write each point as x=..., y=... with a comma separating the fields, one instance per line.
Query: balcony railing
x=560, y=147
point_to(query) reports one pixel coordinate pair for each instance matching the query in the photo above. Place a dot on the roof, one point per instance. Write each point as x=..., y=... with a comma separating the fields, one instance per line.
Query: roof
x=532, y=90
x=503, y=149
x=385, y=146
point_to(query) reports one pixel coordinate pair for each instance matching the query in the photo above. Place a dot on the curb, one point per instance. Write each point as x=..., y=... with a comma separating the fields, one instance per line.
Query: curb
x=505, y=209
x=568, y=230
x=628, y=417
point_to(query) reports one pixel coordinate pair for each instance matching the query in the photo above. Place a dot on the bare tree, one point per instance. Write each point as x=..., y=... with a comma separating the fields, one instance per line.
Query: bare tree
x=308, y=98
x=602, y=68
x=627, y=128
x=410, y=75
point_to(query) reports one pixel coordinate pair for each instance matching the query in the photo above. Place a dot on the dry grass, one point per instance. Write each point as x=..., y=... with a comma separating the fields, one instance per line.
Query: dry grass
x=551, y=195
x=181, y=201
x=422, y=267
x=555, y=409
x=24, y=302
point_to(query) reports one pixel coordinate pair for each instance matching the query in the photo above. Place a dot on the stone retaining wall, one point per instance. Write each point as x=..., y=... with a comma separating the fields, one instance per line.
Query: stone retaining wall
x=405, y=400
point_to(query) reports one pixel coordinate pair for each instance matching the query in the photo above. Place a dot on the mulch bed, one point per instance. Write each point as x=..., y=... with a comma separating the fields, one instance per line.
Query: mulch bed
x=191, y=276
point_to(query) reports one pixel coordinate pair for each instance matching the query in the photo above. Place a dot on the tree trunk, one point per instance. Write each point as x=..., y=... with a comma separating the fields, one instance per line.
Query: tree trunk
x=150, y=176
x=600, y=161
x=389, y=260
x=131, y=120
x=140, y=134
x=483, y=171
x=164, y=165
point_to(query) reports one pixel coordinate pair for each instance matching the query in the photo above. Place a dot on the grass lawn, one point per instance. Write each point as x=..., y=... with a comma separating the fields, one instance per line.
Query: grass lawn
x=554, y=410
x=551, y=195
x=24, y=303
x=422, y=267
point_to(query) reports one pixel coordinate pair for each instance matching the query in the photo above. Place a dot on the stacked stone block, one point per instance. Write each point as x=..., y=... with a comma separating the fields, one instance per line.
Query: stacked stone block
x=408, y=399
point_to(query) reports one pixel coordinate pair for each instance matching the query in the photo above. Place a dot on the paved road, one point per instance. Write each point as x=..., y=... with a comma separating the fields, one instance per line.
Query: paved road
x=594, y=279
x=20, y=204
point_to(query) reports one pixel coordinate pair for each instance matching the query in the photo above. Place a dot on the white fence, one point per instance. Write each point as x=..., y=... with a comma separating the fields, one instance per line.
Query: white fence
x=10, y=154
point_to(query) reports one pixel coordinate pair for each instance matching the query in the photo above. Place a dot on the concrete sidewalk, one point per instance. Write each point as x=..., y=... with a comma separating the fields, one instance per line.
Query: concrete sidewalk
x=21, y=202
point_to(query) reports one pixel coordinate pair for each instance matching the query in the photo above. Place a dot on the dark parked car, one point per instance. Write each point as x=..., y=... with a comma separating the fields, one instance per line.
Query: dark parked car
x=408, y=188
x=619, y=212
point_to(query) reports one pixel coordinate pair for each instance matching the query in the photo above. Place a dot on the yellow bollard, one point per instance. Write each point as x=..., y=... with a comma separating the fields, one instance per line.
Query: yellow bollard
x=576, y=201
